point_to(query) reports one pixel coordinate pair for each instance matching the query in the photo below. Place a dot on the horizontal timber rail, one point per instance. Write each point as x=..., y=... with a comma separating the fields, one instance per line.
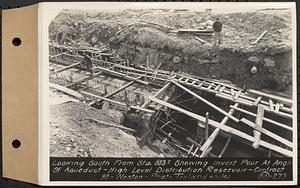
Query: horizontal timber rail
x=244, y=101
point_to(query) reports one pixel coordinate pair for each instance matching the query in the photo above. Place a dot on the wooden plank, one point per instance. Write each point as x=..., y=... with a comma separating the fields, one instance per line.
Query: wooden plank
x=193, y=82
x=201, y=40
x=193, y=142
x=271, y=105
x=66, y=68
x=204, y=153
x=224, y=127
x=213, y=136
x=117, y=102
x=124, y=76
x=247, y=103
x=222, y=89
x=66, y=90
x=258, y=123
x=210, y=86
x=186, y=80
x=111, y=124
x=84, y=79
x=118, y=90
x=161, y=25
x=232, y=92
x=206, y=101
x=162, y=90
x=271, y=96
x=277, y=106
x=260, y=36
x=237, y=95
x=225, y=146
x=257, y=100
x=206, y=126
x=267, y=132
x=230, y=98
x=217, y=87
x=265, y=119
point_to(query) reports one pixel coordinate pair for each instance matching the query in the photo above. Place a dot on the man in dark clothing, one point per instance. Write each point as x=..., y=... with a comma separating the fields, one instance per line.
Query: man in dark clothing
x=87, y=60
x=217, y=26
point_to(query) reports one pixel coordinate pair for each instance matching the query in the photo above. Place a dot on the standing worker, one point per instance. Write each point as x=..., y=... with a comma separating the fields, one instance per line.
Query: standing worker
x=87, y=60
x=217, y=26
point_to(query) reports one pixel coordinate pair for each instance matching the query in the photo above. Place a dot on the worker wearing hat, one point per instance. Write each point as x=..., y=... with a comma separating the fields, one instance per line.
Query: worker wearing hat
x=217, y=26
x=87, y=60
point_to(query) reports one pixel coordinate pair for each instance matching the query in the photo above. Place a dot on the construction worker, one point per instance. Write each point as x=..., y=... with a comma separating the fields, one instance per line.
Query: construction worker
x=217, y=27
x=87, y=60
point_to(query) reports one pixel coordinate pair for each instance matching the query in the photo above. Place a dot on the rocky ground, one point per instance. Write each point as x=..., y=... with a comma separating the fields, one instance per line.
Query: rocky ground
x=128, y=35
x=72, y=134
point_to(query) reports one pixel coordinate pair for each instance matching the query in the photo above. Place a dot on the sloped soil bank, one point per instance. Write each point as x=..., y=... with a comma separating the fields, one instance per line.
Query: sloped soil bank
x=73, y=135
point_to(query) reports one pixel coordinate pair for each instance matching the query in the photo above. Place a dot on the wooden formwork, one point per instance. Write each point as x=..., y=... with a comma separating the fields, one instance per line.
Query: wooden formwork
x=277, y=107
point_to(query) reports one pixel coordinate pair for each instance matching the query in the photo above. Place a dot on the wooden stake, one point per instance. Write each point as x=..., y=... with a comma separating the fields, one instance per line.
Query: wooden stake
x=111, y=125
x=225, y=147
x=206, y=126
x=258, y=123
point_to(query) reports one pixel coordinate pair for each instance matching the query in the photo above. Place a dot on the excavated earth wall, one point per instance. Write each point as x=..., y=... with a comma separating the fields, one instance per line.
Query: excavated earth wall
x=134, y=36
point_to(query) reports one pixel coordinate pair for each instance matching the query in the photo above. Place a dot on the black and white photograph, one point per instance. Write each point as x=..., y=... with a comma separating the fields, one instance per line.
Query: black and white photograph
x=181, y=80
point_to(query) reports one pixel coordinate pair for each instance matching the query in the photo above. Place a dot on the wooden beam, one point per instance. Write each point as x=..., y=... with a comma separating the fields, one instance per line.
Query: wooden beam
x=247, y=103
x=225, y=146
x=201, y=40
x=66, y=90
x=237, y=95
x=271, y=96
x=163, y=89
x=271, y=105
x=267, y=132
x=205, y=153
x=260, y=36
x=206, y=126
x=117, y=102
x=277, y=107
x=118, y=90
x=265, y=119
x=84, y=79
x=257, y=100
x=124, y=76
x=66, y=68
x=206, y=101
x=224, y=127
x=258, y=123
x=213, y=136
x=111, y=125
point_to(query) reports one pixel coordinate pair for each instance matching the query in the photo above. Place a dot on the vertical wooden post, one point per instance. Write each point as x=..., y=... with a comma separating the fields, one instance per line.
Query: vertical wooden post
x=206, y=126
x=258, y=123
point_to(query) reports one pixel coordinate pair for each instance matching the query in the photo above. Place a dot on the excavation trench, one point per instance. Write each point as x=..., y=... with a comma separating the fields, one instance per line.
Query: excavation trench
x=170, y=128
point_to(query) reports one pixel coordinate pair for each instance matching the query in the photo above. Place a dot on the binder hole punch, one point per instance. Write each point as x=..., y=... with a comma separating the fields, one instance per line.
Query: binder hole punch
x=16, y=41
x=16, y=143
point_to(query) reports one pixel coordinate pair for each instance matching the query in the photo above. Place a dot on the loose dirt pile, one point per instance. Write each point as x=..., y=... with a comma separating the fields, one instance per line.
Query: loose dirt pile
x=73, y=135
x=128, y=35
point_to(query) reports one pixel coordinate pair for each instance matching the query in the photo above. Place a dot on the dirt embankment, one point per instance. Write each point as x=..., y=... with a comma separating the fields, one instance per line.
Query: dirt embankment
x=72, y=134
x=127, y=34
